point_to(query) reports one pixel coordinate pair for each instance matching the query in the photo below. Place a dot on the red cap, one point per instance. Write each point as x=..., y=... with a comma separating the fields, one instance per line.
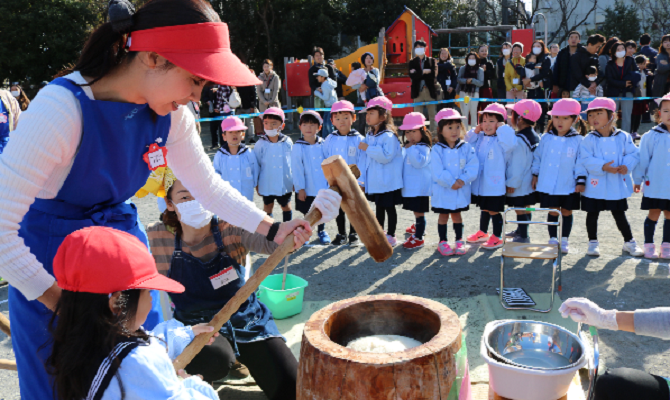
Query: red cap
x=208, y=57
x=104, y=260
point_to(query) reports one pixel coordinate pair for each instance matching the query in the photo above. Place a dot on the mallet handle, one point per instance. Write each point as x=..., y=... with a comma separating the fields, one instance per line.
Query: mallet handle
x=4, y=325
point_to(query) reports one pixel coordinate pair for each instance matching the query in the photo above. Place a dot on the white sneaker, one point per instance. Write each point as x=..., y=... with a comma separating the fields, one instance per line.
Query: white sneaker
x=553, y=241
x=565, y=247
x=633, y=249
x=594, y=248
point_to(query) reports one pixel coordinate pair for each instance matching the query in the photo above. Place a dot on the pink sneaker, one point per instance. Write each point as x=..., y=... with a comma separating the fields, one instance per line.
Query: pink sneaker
x=492, y=243
x=461, y=248
x=665, y=250
x=650, y=251
x=392, y=240
x=445, y=249
x=411, y=230
x=478, y=237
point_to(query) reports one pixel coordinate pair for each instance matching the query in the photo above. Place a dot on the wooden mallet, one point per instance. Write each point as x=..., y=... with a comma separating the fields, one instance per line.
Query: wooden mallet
x=355, y=205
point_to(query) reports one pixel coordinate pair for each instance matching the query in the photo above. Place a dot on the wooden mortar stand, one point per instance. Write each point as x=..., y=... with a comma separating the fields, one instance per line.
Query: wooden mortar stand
x=342, y=180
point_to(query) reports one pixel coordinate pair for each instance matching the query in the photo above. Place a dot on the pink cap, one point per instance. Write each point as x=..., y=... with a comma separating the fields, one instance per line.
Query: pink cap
x=495, y=108
x=600, y=103
x=381, y=102
x=413, y=120
x=662, y=99
x=274, y=111
x=566, y=108
x=342, y=105
x=529, y=109
x=448, y=113
x=232, y=124
x=313, y=113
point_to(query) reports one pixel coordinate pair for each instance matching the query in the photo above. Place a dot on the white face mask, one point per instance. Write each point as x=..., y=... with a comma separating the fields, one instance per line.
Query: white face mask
x=15, y=93
x=272, y=132
x=419, y=51
x=506, y=52
x=621, y=53
x=193, y=214
x=537, y=50
x=472, y=62
x=593, y=78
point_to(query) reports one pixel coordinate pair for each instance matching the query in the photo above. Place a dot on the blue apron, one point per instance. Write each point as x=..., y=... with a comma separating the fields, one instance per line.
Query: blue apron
x=200, y=302
x=4, y=126
x=108, y=169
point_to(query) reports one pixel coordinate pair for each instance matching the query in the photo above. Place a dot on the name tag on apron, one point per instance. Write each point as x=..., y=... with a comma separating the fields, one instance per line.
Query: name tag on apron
x=571, y=152
x=248, y=172
x=462, y=163
x=352, y=151
x=223, y=278
x=490, y=154
x=156, y=157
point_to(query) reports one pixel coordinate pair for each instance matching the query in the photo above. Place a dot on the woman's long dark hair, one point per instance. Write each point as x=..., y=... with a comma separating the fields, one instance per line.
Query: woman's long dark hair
x=84, y=332
x=605, y=50
x=23, y=99
x=105, y=48
x=661, y=49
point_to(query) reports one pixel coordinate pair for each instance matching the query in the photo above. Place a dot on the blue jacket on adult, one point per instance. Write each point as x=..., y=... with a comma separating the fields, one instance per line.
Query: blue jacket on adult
x=447, y=165
x=653, y=171
x=416, y=171
x=493, y=152
x=275, y=162
x=618, y=76
x=555, y=163
x=596, y=151
x=381, y=163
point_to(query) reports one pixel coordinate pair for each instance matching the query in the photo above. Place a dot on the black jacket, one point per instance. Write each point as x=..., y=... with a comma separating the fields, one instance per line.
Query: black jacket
x=248, y=96
x=578, y=63
x=501, y=79
x=418, y=75
x=313, y=83
x=616, y=81
x=489, y=73
x=341, y=79
x=562, y=74
x=446, y=70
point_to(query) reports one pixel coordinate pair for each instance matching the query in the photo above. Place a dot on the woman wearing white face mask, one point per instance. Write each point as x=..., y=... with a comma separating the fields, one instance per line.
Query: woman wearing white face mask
x=540, y=78
x=20, y=96
x=9, y=116
x=470, y=79
x=195, y=248
x=500, y=67
x=622, y=78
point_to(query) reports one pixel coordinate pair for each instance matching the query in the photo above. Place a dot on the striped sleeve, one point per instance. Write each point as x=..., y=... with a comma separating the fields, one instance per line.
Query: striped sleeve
x=161, y=242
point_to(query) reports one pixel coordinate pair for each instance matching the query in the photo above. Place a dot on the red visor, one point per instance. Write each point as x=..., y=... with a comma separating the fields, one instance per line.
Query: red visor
x=202, y=49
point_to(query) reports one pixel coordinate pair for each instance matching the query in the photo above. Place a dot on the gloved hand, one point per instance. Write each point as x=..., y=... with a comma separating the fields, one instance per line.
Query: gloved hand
x=587, y=312
x=328, y=202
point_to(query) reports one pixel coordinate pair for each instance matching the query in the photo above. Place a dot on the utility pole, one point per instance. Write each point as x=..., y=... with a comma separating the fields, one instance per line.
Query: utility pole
x=504, y=13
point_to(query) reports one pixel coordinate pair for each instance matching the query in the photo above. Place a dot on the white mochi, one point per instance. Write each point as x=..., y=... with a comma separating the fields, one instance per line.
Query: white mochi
x=383, y=344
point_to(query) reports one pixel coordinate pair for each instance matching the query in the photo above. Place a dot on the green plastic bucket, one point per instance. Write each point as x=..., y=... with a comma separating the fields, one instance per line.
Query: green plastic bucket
x=282, y=303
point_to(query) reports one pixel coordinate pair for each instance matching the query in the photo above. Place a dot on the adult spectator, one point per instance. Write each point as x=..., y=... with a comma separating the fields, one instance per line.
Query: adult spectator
x=662, y=69
x=604, y=58
x=268, y=90
x=485, y=64
x=319, y=62
x=542, y=77
x=561, y=79
x=513, y=68
x=622, y=78
x=446, y=77
x=584, y=57
x=371, y=85
x=422, y=72
x=470, y=79
x=9, y=116
x=249, y=98
x=631, y=48
x=340, y=79
x=20, y=96
x=222, y=95
x=553, y=55
x=646, y=50
x=505, y=56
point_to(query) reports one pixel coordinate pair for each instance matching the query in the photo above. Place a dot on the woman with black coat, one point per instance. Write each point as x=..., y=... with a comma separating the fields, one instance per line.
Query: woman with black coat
x=622, y=80
x=542, y=77
x=500, y=68
x=446, y=76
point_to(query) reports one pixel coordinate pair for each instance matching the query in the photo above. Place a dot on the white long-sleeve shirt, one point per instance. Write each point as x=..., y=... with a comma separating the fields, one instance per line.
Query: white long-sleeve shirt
x=40, y=155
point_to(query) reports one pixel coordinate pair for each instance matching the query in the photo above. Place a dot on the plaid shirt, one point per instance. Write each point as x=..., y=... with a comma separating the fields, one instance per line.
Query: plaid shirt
x=222, y=96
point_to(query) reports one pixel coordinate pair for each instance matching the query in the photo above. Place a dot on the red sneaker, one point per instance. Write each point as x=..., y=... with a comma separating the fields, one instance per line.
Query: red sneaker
x=411, y=230
x=413, y=243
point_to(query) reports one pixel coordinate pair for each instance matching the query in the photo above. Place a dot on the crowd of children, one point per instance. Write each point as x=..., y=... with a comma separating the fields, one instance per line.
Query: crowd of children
x=501, y=162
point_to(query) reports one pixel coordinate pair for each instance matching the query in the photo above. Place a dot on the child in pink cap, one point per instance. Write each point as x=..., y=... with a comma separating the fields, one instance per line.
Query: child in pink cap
x=652, y=172
x=235, y=162
x=607, y=157
x=416, y=175
x=454, y=165
x=344, y=142
x=273, y=152
x=520, y=192
x=381, y=163
x=494, y=142
x=554, y=169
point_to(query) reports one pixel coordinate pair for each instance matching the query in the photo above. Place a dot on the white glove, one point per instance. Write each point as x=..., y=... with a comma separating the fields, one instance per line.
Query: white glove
x=328, y=202
x=587, y=312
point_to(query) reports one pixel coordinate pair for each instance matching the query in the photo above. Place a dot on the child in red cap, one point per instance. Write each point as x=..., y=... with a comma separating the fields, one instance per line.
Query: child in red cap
x=99, y=349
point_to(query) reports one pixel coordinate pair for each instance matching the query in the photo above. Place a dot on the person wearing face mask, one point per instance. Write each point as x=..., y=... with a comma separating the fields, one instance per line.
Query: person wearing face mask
x=206, y=255
x=20, y=96
x=470, y=79
x=423, y=73
x=10, y=110
x=513, y=71
x=622, y=79
x=500, y=65
x=540, y=79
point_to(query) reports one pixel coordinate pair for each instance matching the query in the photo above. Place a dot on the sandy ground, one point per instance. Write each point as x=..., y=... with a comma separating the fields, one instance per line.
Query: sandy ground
x=614, y=280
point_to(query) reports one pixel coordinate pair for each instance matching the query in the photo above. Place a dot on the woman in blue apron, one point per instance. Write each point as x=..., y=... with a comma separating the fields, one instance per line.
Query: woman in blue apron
x=89, y=142
x=189, y=247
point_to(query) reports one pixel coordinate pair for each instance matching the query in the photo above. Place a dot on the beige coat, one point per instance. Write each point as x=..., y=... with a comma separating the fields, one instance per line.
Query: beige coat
x=274, y=84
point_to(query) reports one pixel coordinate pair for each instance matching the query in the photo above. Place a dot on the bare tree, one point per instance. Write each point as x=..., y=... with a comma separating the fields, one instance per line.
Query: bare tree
x=655, y=13
x=564, y=12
